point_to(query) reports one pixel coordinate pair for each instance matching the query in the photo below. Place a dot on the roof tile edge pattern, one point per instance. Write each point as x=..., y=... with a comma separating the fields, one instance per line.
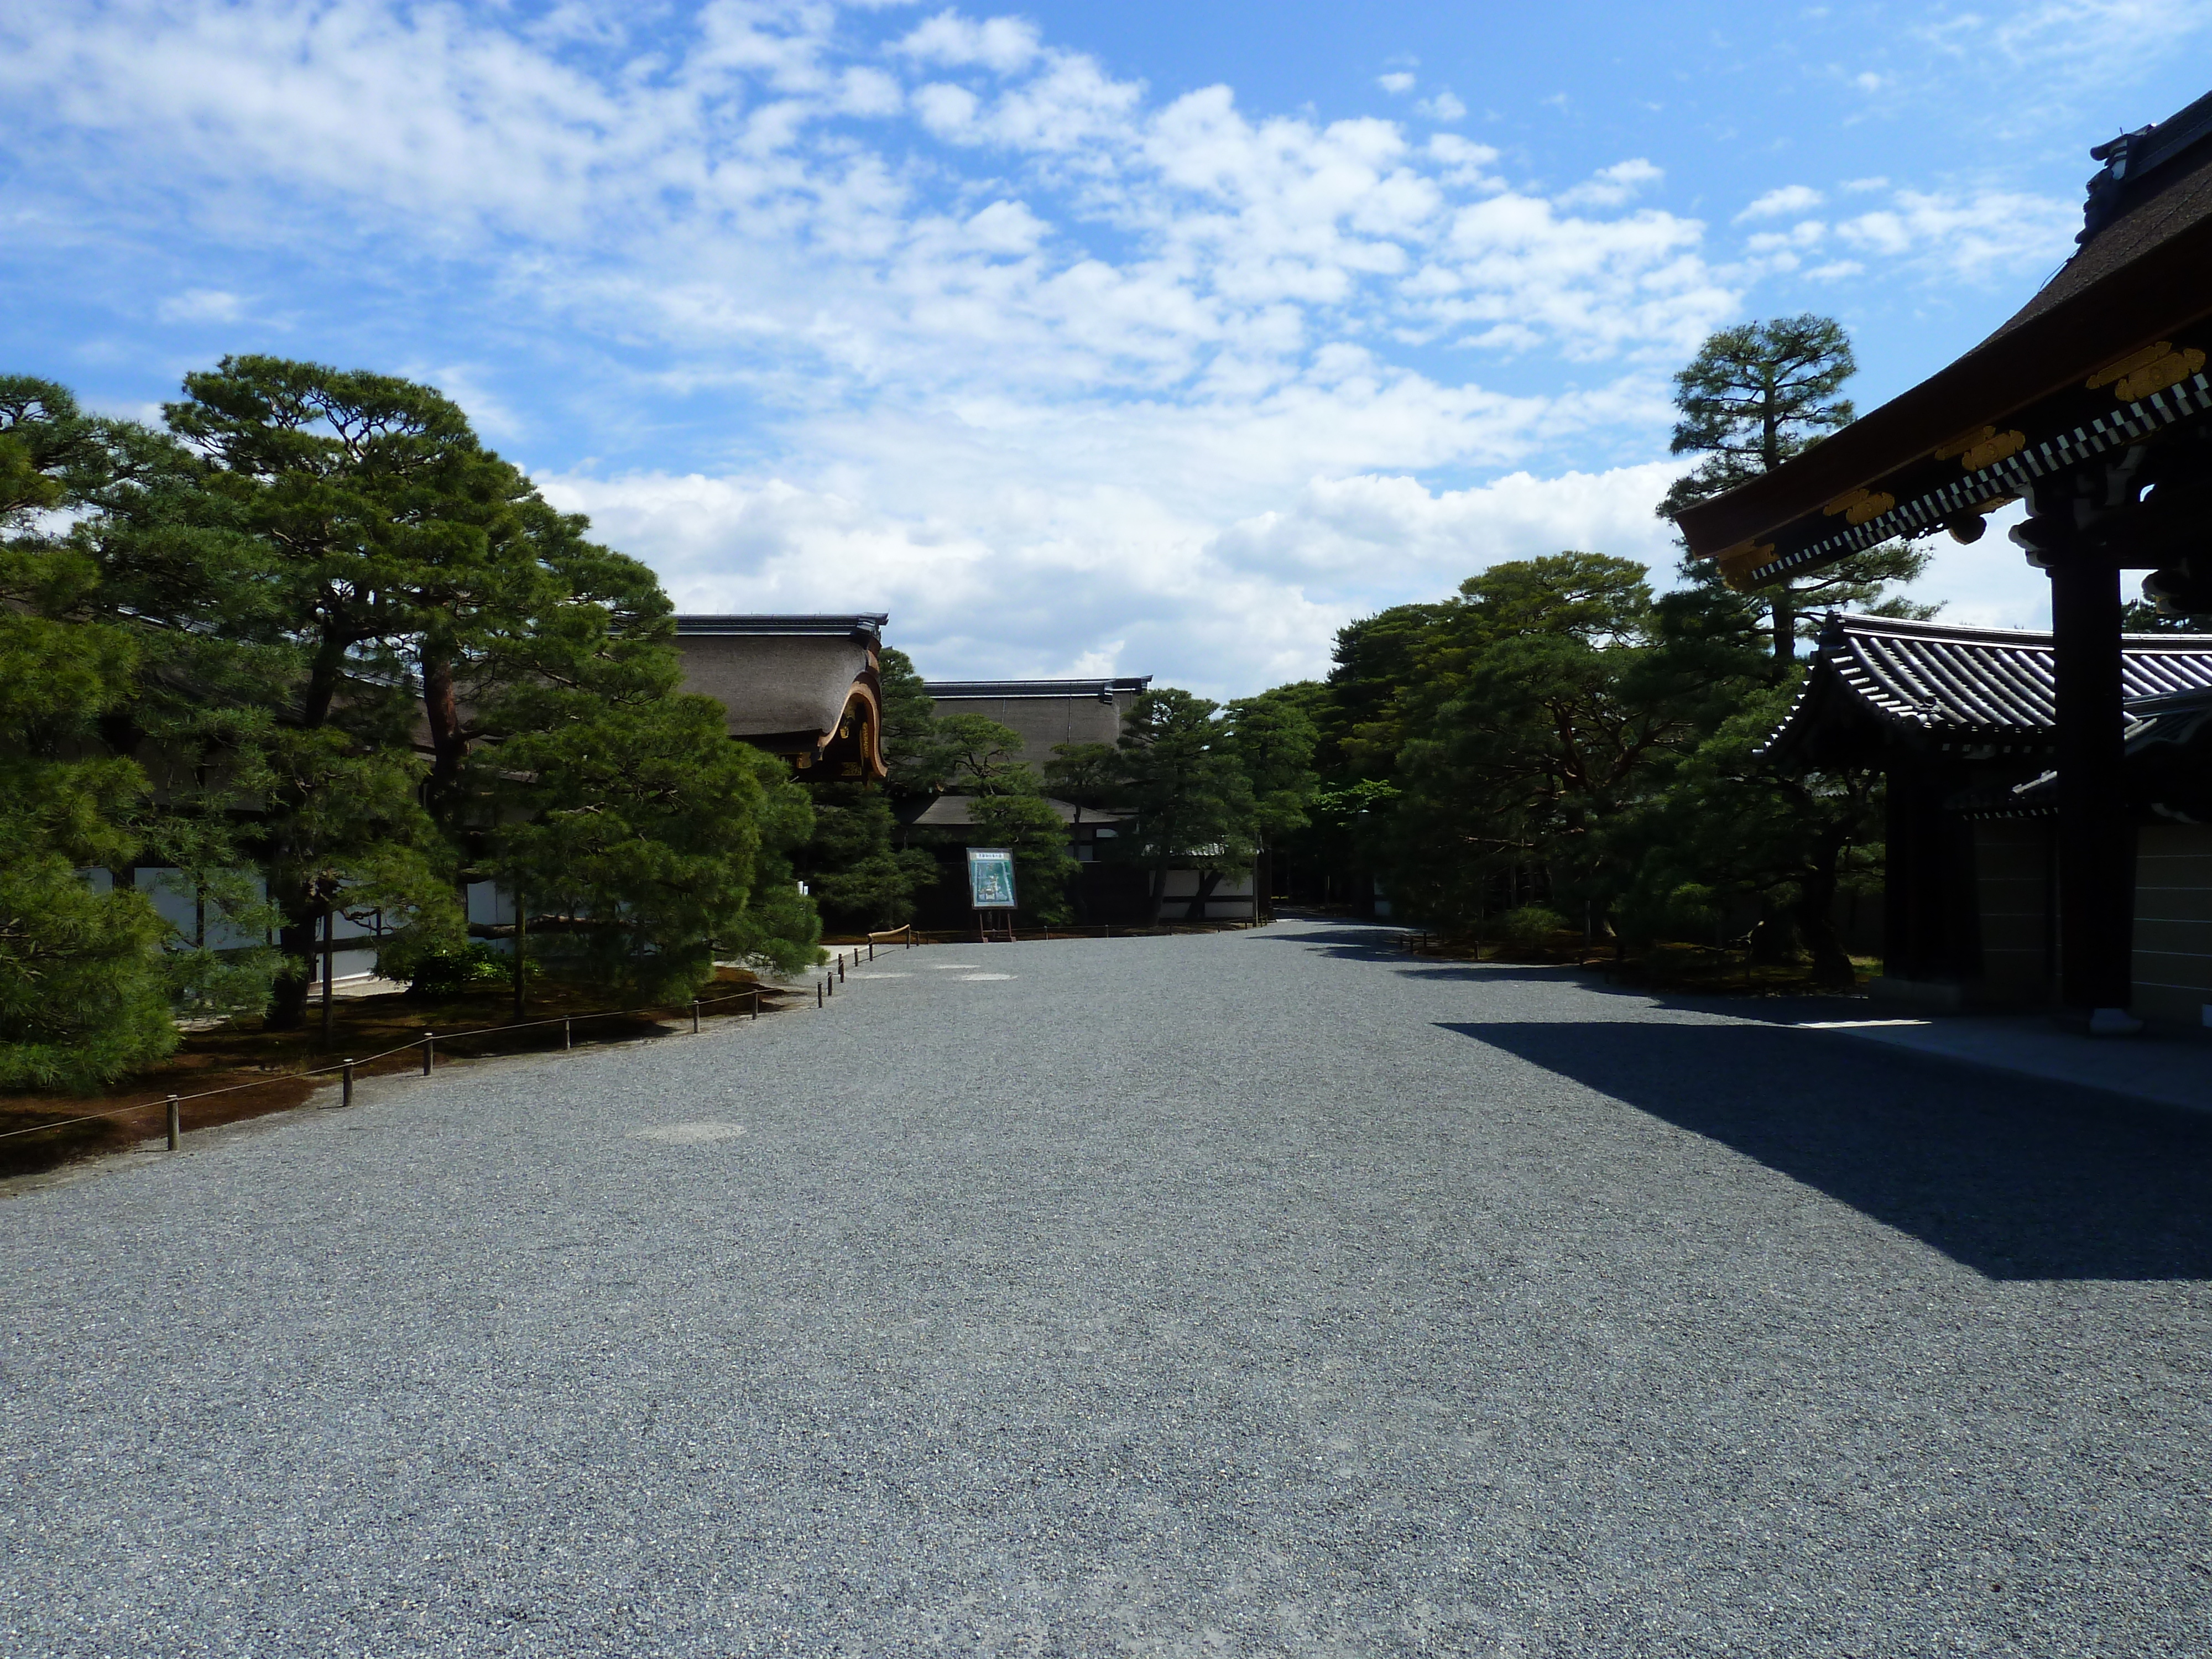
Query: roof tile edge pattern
x=2003, y=479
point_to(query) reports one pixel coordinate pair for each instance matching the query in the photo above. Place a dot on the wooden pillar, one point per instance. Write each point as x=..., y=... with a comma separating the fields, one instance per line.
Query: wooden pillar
x=1915, y=943
x=2096, y=832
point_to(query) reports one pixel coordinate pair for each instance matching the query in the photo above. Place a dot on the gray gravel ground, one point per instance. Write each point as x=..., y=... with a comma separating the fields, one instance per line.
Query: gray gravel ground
x=1261, y=1293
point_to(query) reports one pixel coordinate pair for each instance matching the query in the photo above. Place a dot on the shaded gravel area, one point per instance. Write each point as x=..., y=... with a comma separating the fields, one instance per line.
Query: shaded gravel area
x=1257, y=1293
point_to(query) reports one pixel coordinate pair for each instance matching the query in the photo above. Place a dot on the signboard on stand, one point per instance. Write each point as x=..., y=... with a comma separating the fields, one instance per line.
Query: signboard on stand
x=991, y=888
x=991, y=878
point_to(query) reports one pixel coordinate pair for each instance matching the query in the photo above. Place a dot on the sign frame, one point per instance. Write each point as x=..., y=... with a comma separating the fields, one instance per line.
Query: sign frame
x=991, y=878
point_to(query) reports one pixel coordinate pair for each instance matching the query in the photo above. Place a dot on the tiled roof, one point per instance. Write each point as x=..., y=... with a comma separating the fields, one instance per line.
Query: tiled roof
x=1974, y=685
x=2170, y=723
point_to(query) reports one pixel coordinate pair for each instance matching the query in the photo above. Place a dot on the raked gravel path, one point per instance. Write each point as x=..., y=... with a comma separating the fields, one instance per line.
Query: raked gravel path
x=1257, y=1293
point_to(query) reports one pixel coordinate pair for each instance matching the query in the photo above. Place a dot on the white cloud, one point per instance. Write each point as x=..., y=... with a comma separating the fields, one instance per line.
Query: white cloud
x=1806, y=233
x=1779, y=204
x=1431, y=540
x=1396, y=83
x=1612, y=186
x=202, y=305
x=1441, y=108
x=1004, y=45
x=947, y=111
x=1463, y=162
x=1056, y=372
x=1976, y=237
x=1254, y=601
x=2079, y=41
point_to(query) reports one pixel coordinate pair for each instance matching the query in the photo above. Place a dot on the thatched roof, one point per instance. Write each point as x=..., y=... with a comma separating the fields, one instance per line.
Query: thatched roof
x=790, y=684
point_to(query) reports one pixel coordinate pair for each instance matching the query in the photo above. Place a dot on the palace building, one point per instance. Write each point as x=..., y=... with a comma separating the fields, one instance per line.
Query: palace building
x=2092, y=406
x=1963, y=724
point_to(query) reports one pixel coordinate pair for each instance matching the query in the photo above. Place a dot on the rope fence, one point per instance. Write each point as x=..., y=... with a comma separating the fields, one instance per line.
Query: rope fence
x=833, y=974
x=427, y=1044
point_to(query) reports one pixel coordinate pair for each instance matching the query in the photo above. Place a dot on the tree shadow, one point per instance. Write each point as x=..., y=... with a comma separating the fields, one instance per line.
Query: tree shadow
x=2012, y=1177
x=1354, y=941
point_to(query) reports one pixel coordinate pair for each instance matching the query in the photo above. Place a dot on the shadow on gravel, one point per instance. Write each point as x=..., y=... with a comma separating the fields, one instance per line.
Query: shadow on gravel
x=1353, y=941
x=2014, y=1178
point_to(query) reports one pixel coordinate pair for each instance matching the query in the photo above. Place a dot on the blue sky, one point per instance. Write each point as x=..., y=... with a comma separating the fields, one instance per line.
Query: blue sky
x=1087, y=338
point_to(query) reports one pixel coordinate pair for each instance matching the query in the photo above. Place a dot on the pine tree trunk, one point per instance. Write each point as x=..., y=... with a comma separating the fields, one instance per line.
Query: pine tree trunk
x=1816, y=919
x=521, y=928
x=449, y=746
x=1208, y=881
x=1773, y=937
x=287, y=997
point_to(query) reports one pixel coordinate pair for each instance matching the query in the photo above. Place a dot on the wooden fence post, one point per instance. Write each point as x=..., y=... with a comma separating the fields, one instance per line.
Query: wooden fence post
x=695, y=1017
x=345, y=1086
x=174, y=1125
x=429, y=1050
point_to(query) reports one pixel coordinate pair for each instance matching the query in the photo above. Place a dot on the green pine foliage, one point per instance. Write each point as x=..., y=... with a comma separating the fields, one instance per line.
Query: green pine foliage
x=647, y=845
x=83, y=994
x=909, y=727
x=1194, y=800
x=860, y=881
x=1567, y=739
x=320, y=652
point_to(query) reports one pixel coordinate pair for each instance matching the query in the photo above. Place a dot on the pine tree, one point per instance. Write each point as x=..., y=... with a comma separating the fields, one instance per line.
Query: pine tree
x=1193, y=802
x=83, y=996
x=1754, y=396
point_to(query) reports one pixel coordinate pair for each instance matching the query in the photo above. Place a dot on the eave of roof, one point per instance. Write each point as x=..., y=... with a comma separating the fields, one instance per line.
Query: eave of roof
x=865, y=624
x=957, y=691
x=2139, y=281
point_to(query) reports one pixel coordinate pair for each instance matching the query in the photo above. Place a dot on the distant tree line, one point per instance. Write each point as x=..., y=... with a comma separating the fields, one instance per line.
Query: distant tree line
x=1559, y=746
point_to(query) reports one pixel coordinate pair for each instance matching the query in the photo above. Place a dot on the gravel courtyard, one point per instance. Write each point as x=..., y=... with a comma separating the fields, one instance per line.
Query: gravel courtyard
x=1257, y=1293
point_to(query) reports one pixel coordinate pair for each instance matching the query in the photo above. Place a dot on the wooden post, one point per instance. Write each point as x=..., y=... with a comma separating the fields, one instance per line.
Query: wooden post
x=174, y=1127
x=2096, y=832
x=817, y=993
x=566, y=1039
x=345, y=1084
x=329, y=918
x=695, y=1017
x=521, y=924
x=429, y=1046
